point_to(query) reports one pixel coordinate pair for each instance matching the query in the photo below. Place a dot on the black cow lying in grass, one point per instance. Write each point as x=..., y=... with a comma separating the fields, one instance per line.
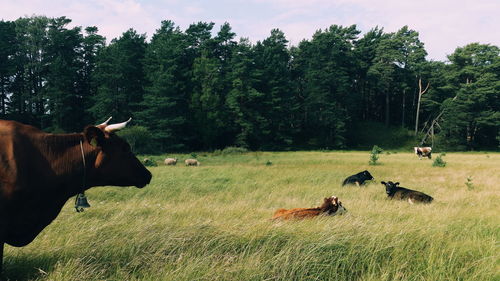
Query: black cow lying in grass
x=396, y=192
x=358, y=179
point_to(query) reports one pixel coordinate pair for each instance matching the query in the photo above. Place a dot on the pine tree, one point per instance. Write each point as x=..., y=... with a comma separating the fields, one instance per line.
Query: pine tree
x=7, y=63
x=62, y=59
x=165, y=108
x=93, y=43
x=27, y=102
x=471, y=119
x=272, y=59
x=328, y=65
x=211, y=86
x=120, y=77
x=244, y=101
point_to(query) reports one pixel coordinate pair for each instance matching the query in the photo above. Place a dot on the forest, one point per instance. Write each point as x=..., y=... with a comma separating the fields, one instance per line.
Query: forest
x=203, y=88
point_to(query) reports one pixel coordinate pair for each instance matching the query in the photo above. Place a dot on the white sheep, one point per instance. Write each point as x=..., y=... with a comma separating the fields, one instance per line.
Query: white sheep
x=192, y=162
x=170, y=161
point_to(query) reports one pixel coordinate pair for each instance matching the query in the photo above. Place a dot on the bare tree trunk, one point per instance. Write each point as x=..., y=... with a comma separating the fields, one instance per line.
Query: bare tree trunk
x=420, y=93
x=432, y=135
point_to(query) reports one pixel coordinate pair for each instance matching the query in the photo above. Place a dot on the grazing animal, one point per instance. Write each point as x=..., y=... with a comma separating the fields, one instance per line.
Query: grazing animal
x=148, y=162
x=192, y=162
x=170, y=161
x=394, y=191
x=330, y=207
x=358, y=179
x=423, y=151
x=39, y=172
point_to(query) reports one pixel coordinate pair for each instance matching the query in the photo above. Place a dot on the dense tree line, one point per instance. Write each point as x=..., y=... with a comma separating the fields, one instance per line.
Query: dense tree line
x=202, y=89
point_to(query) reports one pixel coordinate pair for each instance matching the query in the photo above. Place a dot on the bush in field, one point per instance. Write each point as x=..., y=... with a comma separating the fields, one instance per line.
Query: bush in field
x=439, y=162
x=139, y=138
x=469, y=184
x=374, y=155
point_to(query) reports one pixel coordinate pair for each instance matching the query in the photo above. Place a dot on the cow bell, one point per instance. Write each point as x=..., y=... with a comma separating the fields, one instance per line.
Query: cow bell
x=81, y=202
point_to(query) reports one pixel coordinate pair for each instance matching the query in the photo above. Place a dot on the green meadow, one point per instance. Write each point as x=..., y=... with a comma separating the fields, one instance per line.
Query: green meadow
x=212, y=222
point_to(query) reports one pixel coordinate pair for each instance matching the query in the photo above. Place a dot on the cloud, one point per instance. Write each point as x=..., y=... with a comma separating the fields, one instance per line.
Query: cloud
x=112, y=17
x=443, y=25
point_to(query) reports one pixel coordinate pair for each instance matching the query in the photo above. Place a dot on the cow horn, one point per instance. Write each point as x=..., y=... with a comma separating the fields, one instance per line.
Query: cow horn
x=116, y=127
x=105, y=122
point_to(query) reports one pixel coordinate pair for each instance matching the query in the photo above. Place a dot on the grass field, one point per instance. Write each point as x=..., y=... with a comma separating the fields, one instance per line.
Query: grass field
x=213, y=223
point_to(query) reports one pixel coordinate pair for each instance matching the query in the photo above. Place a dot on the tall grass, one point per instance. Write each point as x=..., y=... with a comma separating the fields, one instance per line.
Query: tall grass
x=213, y=223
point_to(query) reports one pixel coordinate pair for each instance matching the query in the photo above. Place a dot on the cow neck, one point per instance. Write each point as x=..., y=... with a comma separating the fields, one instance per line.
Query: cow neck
x=87, y=155
x=66, y=152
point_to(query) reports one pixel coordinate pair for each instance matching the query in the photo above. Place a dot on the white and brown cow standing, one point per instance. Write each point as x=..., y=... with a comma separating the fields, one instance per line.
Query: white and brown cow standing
x=423, y=151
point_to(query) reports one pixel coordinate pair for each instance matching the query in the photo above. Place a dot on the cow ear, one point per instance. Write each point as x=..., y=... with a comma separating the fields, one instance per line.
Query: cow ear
x=397, y=183
x=94, y=136
x=382, y=182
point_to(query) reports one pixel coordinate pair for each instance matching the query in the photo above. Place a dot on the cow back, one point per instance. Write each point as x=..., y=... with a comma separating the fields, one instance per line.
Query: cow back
x=297, y=213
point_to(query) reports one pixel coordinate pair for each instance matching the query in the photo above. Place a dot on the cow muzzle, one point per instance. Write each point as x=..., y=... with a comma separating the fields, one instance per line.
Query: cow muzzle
x=147, y=180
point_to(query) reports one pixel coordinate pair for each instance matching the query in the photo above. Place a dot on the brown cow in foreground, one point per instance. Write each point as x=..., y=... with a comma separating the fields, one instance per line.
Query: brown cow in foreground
x=331, y=207
x=39, y=172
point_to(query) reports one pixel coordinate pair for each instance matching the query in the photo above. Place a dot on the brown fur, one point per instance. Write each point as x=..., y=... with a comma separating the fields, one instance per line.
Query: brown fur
x=39, y=172
x=329, y=207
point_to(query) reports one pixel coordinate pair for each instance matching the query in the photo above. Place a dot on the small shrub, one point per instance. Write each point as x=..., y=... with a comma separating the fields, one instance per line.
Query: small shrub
x=233, y=150
x=469, y=184
x=374, y=155
x=269, y=163
x=149, y=162
x=194, y=155
x=439, y=162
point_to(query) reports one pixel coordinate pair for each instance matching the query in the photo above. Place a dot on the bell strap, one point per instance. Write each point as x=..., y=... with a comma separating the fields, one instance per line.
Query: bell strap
x=80, y=197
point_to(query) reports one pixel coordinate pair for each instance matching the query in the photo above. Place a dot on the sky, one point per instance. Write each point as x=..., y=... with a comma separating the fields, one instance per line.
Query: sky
x=443, y=25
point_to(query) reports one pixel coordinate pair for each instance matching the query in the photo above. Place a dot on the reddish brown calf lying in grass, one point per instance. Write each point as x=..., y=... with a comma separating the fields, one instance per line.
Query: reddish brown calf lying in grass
x=331, y=207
